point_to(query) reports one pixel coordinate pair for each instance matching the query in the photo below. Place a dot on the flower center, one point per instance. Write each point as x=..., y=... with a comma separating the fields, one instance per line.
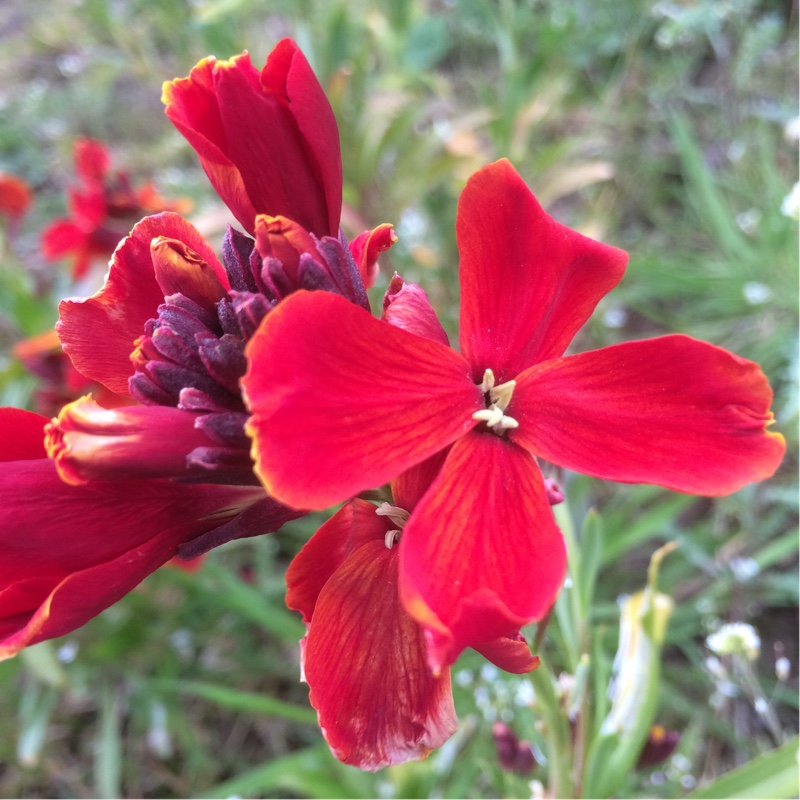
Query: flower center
x=497, y=400
x=397, y=515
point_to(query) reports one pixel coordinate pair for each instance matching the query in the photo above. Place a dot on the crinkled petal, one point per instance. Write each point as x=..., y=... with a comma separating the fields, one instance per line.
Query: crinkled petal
x=98, y=333
x=353, y=525
x=481, y=554
x=342, y=402
x=528, y=283
x=672, y=411
x=364, y=661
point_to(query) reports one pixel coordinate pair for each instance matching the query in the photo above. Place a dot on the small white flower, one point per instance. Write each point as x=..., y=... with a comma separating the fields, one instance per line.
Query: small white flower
x=735, y=638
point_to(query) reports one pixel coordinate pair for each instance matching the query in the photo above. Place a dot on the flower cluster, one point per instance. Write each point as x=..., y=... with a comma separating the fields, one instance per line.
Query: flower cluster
x=258, y=386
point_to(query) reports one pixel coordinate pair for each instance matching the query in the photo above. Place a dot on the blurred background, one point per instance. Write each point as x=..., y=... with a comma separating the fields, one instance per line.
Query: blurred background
x=669, y=129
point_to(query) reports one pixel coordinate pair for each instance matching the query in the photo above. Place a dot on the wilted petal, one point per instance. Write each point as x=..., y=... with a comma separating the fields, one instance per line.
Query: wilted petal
x=481, y=554
x=98, y=333
x=528, y=283
x=364, y=661
x=672, y=411
x=330, y=421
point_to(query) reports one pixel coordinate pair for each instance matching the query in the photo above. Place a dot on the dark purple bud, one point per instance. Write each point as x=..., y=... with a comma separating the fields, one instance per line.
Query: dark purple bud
x=236, y=251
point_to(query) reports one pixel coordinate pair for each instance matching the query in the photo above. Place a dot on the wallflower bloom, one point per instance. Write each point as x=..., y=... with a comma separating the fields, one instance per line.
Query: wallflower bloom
x=480, y=554
x=103, y=206
x=166, y=335
x=364, y=657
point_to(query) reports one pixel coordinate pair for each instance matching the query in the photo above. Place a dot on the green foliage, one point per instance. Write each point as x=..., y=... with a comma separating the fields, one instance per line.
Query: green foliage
x=657, y=127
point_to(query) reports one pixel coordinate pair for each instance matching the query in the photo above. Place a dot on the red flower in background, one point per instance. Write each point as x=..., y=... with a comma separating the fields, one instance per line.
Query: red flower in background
x=103, y=207
x=16, y=199
x=364, y=657
x=480, y=555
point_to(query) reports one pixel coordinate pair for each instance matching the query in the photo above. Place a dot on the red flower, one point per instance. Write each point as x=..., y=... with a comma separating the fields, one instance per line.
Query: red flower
x=68, y=552
x=15, y=197
x=102, y=209
x=364, y=657
x=267, y=140
x=342, y=402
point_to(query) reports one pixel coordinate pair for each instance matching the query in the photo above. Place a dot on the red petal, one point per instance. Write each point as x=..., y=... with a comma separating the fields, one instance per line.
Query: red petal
x=98, y=333
x=481, y=555
x=62, y=237
x=288, y=68
x=68, y=552
x=409, y=487
x=88, y=442
x=355, y=524
x=268, y=142
x=342, y=402
x=527, y=282
x=364, y=661
x=672, y=411
x=366, y=248
x=91, y=161
x=23, y=434
x=16, y=197
x=406, y=306
x=193, y=108
x=510, y=653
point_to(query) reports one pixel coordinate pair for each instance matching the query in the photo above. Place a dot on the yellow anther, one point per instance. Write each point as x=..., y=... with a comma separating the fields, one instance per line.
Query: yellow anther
x=488, y=381
x=501, y=395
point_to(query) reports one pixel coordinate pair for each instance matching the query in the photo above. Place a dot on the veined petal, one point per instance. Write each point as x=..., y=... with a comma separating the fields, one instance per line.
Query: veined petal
x=98, y=333
x=353, y=525
x=68, y=552
x=364, y=661
x=672, y=411
x=528, y=283
x=481, y=554
x=409, y=487
x=342, y=402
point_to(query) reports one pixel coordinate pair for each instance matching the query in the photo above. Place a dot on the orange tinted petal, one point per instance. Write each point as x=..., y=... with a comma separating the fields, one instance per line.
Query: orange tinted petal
x=672, y=411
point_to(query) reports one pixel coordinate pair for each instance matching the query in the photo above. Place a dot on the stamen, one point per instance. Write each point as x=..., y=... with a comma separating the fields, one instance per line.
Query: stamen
x=391, y=538
x=495, y=419
x=501, y=395
x=396, y=514
x=488, y=381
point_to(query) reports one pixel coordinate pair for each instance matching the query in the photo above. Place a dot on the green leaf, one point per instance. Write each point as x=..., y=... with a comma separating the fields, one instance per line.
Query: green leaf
x=771, y=775
x=238, y=700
